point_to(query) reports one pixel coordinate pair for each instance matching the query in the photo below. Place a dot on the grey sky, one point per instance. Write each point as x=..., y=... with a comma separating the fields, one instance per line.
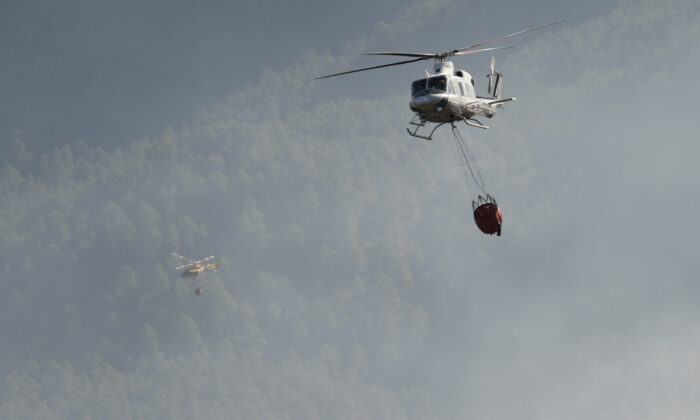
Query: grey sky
x=108, y=73
x=354, y=283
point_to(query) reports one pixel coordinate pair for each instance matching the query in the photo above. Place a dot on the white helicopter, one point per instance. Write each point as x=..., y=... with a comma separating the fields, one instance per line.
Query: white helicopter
x=196, y=267
x=448, y=96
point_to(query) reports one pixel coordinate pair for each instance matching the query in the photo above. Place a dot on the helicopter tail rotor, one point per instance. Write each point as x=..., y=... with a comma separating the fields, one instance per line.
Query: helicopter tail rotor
x=214, y=267
x=491, y=74
x=494, y=80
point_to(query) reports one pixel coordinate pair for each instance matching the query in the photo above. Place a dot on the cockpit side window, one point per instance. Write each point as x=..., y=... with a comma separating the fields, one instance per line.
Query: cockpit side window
x=417, y=86
x=461, y=88
x=439, y=83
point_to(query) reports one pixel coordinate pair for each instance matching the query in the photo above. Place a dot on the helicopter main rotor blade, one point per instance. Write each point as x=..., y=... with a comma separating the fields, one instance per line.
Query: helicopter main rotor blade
x=205, y=259
x=439, y=56
x=374, y=67
x=183, y=266
x=459, y=52
x=184, y=258
x=510, y=35
x=403, y=54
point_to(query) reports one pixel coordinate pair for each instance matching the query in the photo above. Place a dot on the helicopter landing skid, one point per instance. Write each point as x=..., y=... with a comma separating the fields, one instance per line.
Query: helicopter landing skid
x=475, y=123
x=418, y=125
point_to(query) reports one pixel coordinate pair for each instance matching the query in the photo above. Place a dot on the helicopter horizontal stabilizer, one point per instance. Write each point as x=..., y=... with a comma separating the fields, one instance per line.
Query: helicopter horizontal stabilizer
x=500, y=101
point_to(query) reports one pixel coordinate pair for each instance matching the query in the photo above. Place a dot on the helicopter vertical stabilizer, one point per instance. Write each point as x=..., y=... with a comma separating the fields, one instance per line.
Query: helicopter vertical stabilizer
x=497, y=86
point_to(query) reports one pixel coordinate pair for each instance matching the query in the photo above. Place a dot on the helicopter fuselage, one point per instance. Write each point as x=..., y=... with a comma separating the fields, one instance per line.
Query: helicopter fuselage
x=193, y=271
x=448, y=96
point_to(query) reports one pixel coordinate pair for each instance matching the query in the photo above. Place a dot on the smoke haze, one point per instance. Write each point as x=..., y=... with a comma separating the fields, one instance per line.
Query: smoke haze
x=353, y=282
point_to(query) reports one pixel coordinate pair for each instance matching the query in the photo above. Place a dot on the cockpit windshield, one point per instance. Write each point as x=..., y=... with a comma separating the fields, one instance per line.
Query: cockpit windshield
x=439, y=83
x=425, y=86
x=417, y=86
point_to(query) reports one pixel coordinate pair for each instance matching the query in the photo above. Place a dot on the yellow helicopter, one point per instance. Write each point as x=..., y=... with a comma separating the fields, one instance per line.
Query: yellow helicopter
x=196, y=267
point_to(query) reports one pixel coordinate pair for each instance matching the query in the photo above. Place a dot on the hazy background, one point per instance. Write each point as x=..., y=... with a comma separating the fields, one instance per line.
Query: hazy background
x=353, y=283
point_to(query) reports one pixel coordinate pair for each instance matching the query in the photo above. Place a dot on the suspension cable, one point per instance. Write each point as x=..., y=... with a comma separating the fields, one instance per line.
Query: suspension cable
x=469, y=160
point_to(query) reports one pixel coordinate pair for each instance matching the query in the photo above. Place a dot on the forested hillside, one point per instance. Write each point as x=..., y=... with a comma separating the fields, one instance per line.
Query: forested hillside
x=353, y=283
x=315, y=217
